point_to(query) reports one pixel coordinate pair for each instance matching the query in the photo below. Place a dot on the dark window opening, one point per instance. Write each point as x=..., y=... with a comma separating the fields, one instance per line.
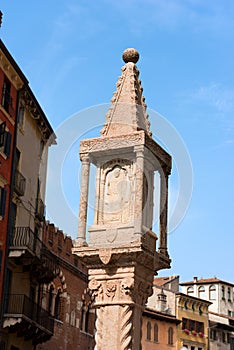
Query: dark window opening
x=51, y=294
x=57, y=305
x=170, y=336
x=6, y=95
x=148, y=331
x=3, y=193
x=155, y=333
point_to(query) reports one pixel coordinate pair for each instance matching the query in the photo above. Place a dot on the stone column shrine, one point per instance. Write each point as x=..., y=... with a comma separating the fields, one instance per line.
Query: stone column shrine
x=123, y=254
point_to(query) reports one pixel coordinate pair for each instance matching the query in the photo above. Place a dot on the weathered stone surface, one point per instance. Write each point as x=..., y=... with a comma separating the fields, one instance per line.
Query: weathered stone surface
x=121, y=255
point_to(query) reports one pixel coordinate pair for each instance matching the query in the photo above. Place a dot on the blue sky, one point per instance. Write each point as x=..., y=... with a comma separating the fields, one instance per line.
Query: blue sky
x=71, y=53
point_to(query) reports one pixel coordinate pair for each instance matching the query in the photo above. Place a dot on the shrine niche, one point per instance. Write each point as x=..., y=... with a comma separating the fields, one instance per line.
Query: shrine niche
x=115, y=204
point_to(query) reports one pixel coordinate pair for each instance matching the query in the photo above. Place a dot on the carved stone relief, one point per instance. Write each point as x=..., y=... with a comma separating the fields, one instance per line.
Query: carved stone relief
x=116, y=193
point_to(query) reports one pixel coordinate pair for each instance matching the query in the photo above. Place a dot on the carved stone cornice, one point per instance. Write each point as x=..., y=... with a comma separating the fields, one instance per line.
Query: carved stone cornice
x=30, y=102
x=101, y=145
x=10, y=72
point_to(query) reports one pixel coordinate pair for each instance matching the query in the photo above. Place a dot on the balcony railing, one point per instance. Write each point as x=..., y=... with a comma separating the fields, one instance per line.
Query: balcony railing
x=19, y=184
x=20, y=306
x=24, y=237
x=40, y=209
x=43, y=263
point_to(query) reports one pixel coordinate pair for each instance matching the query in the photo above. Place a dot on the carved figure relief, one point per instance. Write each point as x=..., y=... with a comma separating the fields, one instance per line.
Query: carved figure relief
x=117, y=192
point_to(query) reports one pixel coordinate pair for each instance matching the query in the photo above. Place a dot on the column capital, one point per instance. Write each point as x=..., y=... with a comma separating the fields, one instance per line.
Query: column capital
x=84, y=157
x=139, y=150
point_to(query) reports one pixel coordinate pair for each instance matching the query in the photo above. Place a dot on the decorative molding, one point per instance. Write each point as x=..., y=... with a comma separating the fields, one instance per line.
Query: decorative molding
x=99, y=327
x=105, y=255
x=126, y=328
x=112, y=143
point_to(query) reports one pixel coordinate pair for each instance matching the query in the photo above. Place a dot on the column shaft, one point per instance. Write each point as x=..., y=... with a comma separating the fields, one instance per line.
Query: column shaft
x=163, y=212
x=84, y=191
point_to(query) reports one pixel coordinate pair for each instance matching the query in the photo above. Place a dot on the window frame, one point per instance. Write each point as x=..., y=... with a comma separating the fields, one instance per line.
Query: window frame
x=148, y=331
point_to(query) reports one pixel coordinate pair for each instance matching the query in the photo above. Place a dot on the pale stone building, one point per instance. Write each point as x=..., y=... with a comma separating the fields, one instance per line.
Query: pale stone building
x=221, y=309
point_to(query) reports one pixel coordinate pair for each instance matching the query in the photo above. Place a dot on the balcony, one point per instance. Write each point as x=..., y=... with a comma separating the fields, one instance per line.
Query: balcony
x=27, y=319
x=28, y=250
x=40, y=209
x=19, y=183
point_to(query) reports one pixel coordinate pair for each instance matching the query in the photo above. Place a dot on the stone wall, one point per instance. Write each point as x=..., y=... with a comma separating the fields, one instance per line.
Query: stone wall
x=74, y=321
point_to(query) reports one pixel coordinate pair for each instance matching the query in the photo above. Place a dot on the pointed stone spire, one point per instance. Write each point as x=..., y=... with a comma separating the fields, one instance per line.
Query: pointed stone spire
x=127, y=112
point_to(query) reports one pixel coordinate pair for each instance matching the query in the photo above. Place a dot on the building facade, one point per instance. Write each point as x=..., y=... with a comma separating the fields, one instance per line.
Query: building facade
x=193, y=331
x=221, y=310
x=11, y=81
x=66, y=297
x=27, y=262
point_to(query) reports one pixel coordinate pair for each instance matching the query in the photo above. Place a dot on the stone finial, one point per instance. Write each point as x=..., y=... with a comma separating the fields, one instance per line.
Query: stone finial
x=130, y=55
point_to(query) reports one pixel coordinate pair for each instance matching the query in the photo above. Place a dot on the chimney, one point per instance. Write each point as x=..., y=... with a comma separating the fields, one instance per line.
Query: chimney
x=162, y=302
x=195, y=279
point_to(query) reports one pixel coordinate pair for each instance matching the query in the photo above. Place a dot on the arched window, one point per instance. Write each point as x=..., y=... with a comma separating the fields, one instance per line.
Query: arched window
x=170, y=336
x=212, y=292
x=223, y=292
x=201, y=292
x=190, y=290
x=57, y=305
x=155, y=333
x=51, y=295
x=148, y=331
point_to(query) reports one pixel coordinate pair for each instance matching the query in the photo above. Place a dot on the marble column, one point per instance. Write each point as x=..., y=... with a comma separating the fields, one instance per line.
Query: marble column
x=84, y=191
x=163, y=211
x=139, y=173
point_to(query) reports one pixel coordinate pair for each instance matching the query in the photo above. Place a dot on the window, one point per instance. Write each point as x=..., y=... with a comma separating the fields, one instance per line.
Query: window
x=223, y=337
x=51, y=294
x=229, y=294
x=2, y=133
x=190, y=290
x=213, y=334
x=6, y=95
x=223, y=292
x=21, y=116
x=199, y=327
x=5, y=143
x=201, y=292
x=192, y=347
x=57, y=305
x=155, y=333
x=192, y=325
x=148, y=331
x=170, y=336
x=212, y=292
x=185, y=324
x=3, y=193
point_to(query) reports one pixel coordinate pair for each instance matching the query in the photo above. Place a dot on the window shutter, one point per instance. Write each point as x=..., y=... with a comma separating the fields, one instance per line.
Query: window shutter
x=3, y=193
x=7, y=147
x=2, y=133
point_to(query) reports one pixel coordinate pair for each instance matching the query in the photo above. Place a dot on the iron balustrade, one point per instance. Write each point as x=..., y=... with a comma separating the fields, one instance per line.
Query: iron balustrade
x=46, y=262
x=25, y=237
x=19, y=183
x=19, y=305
